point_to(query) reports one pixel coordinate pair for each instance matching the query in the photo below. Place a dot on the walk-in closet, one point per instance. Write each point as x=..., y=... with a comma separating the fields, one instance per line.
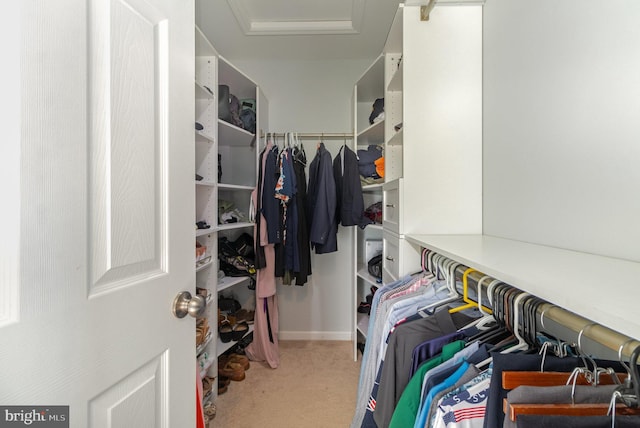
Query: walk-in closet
x=414, y=213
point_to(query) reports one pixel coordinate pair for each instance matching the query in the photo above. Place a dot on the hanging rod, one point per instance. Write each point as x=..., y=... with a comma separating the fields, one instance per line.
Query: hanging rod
x=617, y=342
x=310, y=134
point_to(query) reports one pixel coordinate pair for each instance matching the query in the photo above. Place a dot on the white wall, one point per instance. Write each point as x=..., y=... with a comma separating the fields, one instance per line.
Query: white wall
x=313, y=96
x=561, y=136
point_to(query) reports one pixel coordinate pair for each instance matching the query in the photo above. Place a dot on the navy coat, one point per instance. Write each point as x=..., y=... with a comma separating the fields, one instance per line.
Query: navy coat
x=350, y=209
x=323, y=223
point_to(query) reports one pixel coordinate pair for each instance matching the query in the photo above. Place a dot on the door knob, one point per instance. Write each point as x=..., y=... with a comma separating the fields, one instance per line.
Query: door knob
x=185, y=304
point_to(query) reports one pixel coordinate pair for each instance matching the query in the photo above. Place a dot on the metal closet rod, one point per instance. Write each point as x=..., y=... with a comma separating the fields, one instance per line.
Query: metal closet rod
x=611, y=339
x=311, y=134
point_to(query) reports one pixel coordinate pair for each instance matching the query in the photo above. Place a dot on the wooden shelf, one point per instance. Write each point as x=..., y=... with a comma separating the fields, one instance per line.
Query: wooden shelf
x=372, y=187
x=231, y=135
x=362, y=324
x=578, y=282
x=230, y=281
x=202, y=136
x=203, y=266
x=202, y=93
x=374, y=226
x=373, y=134
x=367, y=277
x=232, y=226
x=235, y=187
x=202, y=232
x=224, y=347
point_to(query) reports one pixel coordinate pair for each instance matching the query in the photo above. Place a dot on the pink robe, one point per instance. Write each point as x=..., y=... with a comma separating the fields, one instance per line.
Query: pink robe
x=262, y=348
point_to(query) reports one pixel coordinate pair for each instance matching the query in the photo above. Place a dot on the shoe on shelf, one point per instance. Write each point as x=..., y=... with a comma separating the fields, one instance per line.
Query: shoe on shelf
x=209, y=410
x=239, y=330
x=233, y=371
x=364, y=308
x=207, y=385
x=202, y=328
x=245, y=315
x=225, y=331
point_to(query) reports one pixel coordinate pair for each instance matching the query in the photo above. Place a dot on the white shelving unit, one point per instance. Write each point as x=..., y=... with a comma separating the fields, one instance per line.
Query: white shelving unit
x=368, y=88
x=432, y=134
x=225, y=145
x=205, y=166
x=238, y=157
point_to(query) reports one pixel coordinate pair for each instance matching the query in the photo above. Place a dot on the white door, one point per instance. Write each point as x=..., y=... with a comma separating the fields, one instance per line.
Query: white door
x=98, y=210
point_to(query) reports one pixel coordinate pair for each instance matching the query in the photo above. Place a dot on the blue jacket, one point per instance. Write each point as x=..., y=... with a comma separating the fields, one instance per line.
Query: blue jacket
x=350, y=208
x=323, y=223
x=270, y=205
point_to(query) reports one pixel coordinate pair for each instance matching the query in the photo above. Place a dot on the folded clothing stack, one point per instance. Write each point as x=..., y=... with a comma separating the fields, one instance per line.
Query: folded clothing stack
x=371, y=162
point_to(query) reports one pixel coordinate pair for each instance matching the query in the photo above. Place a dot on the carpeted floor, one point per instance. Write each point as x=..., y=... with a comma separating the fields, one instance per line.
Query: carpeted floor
x=314, y=387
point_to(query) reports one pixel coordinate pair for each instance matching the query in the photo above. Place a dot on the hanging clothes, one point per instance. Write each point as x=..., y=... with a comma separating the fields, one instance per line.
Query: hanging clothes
x=304, y=249
x=321, y=211
x=287, y=254
x=429, y=363
x=350, y=202
x=264, y=346
x=269, y=205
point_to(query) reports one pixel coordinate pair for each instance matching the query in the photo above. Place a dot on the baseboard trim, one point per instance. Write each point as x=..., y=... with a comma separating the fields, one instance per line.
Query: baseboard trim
x=314, y=335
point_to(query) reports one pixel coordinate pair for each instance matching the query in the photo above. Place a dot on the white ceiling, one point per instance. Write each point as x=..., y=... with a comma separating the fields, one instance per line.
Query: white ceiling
x=296, y=29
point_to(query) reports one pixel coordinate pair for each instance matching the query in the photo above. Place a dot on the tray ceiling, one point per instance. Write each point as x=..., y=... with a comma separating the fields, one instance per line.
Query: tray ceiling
x=257, y=17
x=296, y=29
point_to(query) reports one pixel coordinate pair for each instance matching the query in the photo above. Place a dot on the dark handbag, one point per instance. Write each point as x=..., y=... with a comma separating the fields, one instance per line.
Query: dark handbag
x=374, y=266
x=229, y=305
x=223, y=103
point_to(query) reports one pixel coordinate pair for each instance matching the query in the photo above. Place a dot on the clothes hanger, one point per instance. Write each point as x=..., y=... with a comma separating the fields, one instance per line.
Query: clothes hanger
x=627, y=394
x=298, y=153
x=531, y=326
x=436, y=265
x=597, y=371
x=489, y=318
x=628, y=399
x=628, y=405
x=430, y=257
x=498, y=332
x=447, y=267
x=321, y=143
x=513, y=379
x=483, y=323
x=627, y=381
x=587, y=409
x=465, y=293
x=470, y=304
x=453, y=265
x=522, y=343
x=560, y=348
